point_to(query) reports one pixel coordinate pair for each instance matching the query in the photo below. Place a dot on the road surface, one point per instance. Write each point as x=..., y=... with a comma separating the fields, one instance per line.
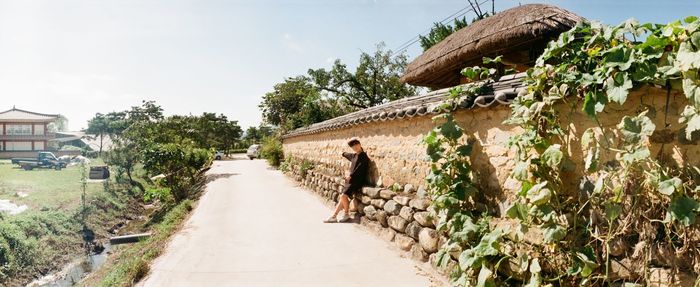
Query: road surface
x=255, y=227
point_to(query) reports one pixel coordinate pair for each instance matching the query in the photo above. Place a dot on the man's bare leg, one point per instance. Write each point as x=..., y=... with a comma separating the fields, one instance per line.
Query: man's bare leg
x=343, y=204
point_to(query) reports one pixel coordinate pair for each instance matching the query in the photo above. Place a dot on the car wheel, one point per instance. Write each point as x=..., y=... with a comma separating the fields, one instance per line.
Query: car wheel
x=217, y=158
x=251, y=158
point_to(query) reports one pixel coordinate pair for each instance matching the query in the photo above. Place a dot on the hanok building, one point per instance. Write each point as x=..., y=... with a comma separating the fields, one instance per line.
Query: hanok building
x=24, y=131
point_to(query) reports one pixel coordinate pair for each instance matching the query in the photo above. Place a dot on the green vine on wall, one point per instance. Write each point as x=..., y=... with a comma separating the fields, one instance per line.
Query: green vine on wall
x=628, y=199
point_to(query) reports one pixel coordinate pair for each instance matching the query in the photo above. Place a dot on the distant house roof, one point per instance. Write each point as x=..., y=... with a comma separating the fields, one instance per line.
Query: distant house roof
x=15, y=114
x=501, y=92
x=520, y=34
x=91, y=141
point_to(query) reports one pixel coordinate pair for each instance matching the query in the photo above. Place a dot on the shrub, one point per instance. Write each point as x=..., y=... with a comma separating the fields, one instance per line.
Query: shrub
x=181, y=165
x=271, y=150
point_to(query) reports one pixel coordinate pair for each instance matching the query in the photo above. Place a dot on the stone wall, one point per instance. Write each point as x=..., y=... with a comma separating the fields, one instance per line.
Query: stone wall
x=399, y=158
x=396, y=203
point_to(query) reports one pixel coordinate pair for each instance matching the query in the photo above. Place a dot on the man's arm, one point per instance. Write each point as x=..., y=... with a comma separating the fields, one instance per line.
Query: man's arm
x=348, y=155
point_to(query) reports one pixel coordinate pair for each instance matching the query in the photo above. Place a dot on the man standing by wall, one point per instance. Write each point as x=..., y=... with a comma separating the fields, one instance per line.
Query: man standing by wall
x=354, y=180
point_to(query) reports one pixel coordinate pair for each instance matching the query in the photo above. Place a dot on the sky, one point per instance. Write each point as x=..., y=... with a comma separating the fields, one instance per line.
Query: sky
x=78, y=58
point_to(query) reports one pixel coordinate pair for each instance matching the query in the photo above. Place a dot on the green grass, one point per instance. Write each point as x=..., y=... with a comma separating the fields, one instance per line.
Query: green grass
x=47, y=236
x=131, y=262
x=46, y=188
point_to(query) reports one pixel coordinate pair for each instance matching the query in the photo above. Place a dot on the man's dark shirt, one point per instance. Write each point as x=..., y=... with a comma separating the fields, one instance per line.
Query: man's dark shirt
x=358, y=170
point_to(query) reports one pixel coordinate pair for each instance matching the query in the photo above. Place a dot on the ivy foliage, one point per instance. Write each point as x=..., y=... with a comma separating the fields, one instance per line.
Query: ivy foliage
x=626, y=196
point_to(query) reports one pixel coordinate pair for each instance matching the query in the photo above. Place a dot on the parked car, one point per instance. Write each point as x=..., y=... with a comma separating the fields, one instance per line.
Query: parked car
x=219, y=155
x=253, y=151
x=44, y=159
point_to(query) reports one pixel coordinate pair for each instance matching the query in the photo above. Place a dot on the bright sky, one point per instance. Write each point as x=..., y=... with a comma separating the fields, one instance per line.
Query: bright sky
x=81, y=57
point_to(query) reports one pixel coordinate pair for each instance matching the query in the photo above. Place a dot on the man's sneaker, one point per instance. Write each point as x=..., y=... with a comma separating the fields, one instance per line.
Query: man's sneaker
x=331, y=219
x=344, y=219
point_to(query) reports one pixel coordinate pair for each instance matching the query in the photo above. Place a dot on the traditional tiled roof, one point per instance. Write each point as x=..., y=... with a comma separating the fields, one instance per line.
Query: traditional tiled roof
x=15, y=114
x=503, y=92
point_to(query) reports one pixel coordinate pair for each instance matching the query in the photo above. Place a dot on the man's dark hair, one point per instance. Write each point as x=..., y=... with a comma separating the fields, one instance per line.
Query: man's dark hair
x=353, y=142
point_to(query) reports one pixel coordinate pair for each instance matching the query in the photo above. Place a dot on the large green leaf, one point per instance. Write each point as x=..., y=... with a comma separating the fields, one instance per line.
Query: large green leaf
x=670, y=185
x=634, y=129
x=618, y=87
x=539, y=194
x=485, y=278
x=683, y=209
x=451, y=130
x=552, y=156
x=691, y=117
x=517, y=210
x=688, y=58
x=612, y=211
x=553, y=233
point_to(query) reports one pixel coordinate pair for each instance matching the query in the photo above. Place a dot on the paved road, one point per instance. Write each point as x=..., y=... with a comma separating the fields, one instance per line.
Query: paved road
x=257, y=228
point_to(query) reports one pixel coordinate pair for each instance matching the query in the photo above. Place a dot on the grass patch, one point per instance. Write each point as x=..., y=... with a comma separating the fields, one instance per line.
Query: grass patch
x=44, y=188
x=48, y=235
x=131, y=263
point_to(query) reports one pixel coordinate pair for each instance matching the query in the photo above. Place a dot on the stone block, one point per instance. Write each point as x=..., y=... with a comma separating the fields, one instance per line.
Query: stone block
x=392, y=207
x=417, y=253
x=397, y=223
x=372, y=192
x=378, y=203
x=428, y=239
x=387, y=234
x=424, y=219
x=386, y=194
x=413, y=230
x=404, y=242
x=402, y=199
x=370, y=212
x=407, y=213
x=408, y=188
x=366, y=200
x=381, y=216
x=420, y=203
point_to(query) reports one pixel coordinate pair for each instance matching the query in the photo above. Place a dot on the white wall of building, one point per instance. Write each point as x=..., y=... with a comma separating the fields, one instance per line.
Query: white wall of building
x=18, y=146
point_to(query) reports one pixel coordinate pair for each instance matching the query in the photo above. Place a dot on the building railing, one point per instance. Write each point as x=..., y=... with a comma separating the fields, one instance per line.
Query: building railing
x=46, y=136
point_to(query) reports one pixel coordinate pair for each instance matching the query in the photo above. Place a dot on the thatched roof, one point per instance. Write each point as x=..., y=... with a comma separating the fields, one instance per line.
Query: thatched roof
x=501, y=92
x=520, y=34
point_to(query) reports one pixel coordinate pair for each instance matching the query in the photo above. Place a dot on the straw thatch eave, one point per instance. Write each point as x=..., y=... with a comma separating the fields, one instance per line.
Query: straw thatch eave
x=520, y=34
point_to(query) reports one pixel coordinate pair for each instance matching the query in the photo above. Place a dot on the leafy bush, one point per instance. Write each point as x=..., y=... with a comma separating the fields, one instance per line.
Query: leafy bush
x=181, y=165
x=239, y=150
x=271, y=150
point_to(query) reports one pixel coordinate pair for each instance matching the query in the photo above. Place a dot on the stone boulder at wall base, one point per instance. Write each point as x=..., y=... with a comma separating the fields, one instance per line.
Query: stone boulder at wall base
x=392, y=207
x=420, y=203
x=397, y=223
x=378, y=203
x=423, y=218
x=407, y=213
x=370, y=212
x=372, y=192
x=386, y=194
x=413, y=229
x=404, y=242
x=382, y=218
x=428, y=239
x=402, y=199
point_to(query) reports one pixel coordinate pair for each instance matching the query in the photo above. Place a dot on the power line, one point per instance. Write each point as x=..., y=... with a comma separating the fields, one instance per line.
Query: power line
x=403, y=47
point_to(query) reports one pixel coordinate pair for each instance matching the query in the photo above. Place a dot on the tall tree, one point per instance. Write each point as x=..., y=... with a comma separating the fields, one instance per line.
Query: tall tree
x=375, y=80
x=296, y=103
x=99, y=126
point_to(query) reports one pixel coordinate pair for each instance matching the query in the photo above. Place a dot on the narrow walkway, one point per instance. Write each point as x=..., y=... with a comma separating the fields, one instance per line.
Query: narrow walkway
x=255, y=227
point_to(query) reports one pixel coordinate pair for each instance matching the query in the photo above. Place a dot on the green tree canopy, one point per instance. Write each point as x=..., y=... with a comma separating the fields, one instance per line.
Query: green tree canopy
x=375, y=81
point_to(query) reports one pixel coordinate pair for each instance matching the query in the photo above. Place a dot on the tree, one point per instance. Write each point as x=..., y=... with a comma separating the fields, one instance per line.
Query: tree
x=99, y=126
x=296, y=103
x=256, y=134
x=376, y=79
x=440, y=31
